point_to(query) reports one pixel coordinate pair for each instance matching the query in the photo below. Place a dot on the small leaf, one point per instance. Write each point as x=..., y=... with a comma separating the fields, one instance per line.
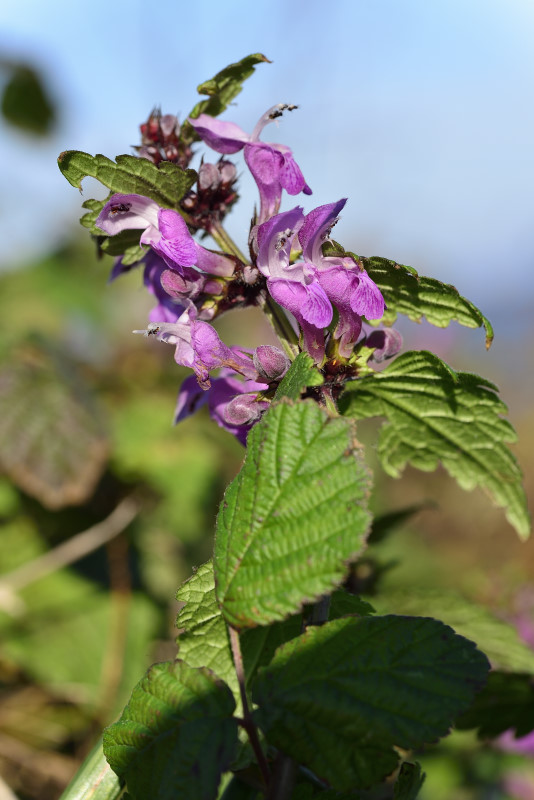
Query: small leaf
x=343, y=604
x=221, y=89
x=25, y=101
x=506, y=702
x=166, y=184
x=52, y=439
x=176, y=735
x=498, y=639
x=340, y=697
x=409, y=782
x=292, y=518
x=415, y=296
x=386, y=523
x=437, y=415
x=203, y=640
x=300, y=375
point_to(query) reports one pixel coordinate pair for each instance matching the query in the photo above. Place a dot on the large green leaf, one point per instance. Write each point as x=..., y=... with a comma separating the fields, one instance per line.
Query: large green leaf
x=165, y=184
x=301, y=374
x=176, y=735
x=52, y=439
x=437, y=415
x=498, y=639
x=341, y=696
x=506, y=702
x=221, y=90
x=417, y=297
x=293, y=517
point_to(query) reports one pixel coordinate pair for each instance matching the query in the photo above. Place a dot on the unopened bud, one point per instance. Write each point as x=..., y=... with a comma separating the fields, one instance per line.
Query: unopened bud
x=208, y=178
x=243, y=409
x=387, y=343
x=227, y=171
x=270, y=362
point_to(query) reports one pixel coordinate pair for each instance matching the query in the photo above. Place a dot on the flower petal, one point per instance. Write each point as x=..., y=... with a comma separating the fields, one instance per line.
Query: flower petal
x=223, y=137
x=126, y=212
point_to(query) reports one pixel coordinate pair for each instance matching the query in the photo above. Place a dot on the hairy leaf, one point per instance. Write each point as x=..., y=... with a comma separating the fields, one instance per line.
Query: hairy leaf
x=52, y=437
x=292, y=518
x=341, y=696
x=417, y=297
x=409, y=782
x=176, y=735
x=498, y=639
x=221, y=90
x=301, y=374
x=203, y=640
x=166, y=184
x=437, y=415
x=506, y=702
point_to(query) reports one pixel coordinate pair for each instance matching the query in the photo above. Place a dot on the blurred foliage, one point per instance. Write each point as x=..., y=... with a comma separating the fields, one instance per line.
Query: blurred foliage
x=26, y=101
x=75, y=640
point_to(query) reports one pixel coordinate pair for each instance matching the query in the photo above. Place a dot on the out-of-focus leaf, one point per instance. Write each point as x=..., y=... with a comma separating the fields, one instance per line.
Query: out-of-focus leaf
x=52, y=440
x=505, y=703
x=26, y=102
x=438, y=415
x=409, y=782
x=165, y=184
x=95, y=780
x=341, y=696
x=292, y=518
x=176, y=735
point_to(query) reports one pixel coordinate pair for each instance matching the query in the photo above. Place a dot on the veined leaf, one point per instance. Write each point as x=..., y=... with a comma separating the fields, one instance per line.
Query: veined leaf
x=292, y=518
x=176, y=735
x=417, y=297
x=437, y=415
x=166, y=184
x=498, y=639
x=341, y=696
x=301, y=374
x=221, y=90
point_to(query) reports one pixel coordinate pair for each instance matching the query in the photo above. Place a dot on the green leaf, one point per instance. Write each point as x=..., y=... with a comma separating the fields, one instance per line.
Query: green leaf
x=386, y=523
x=292, y=518
x=166, y=184
x=340, y=697
x=301, y=374
x=409, y=782
x=498, y=639
x=26, y=103
x=52, y=436
x=221, y=89
x=437, y=415
x=176, y=735
x=417, y=297
x=344, y=604
x=204, y=641
x=506, y=702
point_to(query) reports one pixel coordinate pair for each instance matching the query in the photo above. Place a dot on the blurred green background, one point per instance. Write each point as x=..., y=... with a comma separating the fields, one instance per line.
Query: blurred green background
x=87, y=447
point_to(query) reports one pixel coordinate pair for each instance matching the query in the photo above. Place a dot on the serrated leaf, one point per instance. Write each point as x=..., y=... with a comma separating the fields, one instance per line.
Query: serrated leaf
x=409, y=782
x=166, y=184
x=204, y=640
x=301, y=374
x=222, y=89
x=52, y=441
x=292, y=518
x=340, y=697
x=437, y=415
x=417, y=297
x=176, y=735
x=496, y=638
x=505, y=703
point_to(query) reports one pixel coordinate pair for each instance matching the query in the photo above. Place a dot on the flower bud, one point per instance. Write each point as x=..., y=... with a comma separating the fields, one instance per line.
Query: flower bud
x=270, y=362
x=208, y=178
x=244, y=409
x=387, y=343
x=228, y=172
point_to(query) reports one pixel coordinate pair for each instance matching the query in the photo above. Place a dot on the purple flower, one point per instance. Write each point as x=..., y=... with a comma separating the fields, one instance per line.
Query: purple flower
x=222, y=397
x=164, y=230
x=198, y=346
x=272, y=165
x=293, y=286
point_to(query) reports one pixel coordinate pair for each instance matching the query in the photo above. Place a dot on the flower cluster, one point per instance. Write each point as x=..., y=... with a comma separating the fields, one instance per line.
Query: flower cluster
x=317, y=299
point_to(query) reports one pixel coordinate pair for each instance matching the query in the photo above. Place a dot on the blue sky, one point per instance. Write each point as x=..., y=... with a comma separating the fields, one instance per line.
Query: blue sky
x=419, y=111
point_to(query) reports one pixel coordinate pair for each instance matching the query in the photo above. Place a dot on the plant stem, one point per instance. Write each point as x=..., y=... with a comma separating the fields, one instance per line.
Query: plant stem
x=247, y=722
x=281, y=326
x=225, y=242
